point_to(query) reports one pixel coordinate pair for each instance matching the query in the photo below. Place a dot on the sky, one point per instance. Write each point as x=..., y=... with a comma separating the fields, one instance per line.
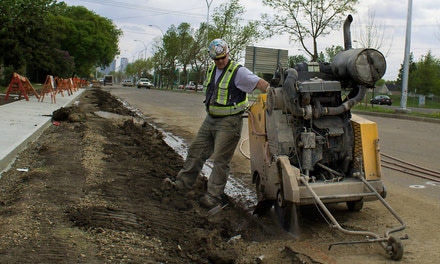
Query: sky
x=144, y=21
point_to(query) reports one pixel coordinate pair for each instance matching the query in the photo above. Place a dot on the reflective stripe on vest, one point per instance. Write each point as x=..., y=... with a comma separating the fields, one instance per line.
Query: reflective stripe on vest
x=222, y=94
x=228, y=110
x=208, y=77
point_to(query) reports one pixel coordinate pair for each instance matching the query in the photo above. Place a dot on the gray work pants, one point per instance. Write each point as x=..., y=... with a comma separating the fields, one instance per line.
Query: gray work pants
x=216, y=138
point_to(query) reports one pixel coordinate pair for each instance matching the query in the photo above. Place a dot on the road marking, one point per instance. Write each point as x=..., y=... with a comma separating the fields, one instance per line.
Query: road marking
x=417, y=186
x=433, y=183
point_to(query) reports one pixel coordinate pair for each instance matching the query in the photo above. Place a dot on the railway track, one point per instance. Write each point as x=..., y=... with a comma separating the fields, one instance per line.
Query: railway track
x=396, y=164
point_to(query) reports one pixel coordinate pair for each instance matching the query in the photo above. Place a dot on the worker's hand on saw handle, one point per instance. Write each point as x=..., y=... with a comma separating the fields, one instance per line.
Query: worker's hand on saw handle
x=262, y=85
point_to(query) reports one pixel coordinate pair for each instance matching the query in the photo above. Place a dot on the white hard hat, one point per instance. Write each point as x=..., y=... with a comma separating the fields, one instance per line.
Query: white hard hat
x=218, y=49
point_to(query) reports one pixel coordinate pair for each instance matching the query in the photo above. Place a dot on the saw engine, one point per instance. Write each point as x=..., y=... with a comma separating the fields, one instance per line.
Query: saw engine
x=321, y=137
x=305, y=145
x=307, y=120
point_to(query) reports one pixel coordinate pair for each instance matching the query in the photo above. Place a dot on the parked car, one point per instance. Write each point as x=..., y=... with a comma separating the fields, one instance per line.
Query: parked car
x=190, y=86
x=381, y=100
x=127, y=83
x=144, y=82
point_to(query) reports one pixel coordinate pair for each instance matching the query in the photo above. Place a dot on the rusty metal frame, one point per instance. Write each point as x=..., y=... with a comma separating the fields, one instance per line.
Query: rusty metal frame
x=376, y=238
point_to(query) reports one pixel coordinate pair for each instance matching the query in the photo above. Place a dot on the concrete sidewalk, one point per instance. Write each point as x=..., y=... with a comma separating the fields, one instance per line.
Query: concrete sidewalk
x=24, y=121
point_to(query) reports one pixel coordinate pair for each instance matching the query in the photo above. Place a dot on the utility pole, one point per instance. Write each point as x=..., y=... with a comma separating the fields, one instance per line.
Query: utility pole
x=207, y=15
x=405, y=76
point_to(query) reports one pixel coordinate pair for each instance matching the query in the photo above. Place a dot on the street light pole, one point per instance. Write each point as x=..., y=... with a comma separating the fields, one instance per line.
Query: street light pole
x=160, y=82
x=207, y=16
x=208, y=4
x=405, y=74
x=145, y=47
x=161, y=31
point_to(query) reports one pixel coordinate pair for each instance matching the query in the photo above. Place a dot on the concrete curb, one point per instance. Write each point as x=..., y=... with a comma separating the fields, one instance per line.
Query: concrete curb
x=22, y=122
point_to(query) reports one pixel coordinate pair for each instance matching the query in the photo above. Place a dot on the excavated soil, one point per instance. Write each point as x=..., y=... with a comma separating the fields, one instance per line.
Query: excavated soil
x=89, y=191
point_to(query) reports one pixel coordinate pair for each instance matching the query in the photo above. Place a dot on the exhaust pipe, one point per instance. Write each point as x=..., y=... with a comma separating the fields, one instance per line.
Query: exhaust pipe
x=347, y=105
x=347, y=33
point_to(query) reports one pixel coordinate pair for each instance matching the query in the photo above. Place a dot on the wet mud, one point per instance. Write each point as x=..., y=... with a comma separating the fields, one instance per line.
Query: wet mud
x=92, y=194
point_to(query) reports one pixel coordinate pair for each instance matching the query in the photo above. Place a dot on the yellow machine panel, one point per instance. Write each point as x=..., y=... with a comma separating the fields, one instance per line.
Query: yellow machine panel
x=257, y=110
x=257, y=133
x=366, y=150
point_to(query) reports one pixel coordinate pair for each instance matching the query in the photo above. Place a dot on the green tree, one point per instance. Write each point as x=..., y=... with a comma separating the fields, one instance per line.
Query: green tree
x=307, y=19
x=198, y=52
x=295, y=59
x=426, y=77
x=140, y=68
x=43, y=37
x=184, y=34
x=26, y=42
x=331, y=52
x=229, y=26
x=91, y=39
x=171, y=50
x=186, y=47
x=62, y=64
x=321, y=56
x=412, y=68
x=159, y=65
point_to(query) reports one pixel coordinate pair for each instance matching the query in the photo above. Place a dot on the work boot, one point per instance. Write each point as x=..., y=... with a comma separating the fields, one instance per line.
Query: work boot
x=168, y=184
x=208, y=201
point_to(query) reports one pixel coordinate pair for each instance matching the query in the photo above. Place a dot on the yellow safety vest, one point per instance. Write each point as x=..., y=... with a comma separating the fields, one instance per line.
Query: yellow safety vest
x=224, y=104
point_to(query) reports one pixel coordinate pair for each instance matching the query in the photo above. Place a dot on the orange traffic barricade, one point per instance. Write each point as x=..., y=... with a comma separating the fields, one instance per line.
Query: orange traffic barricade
x=73, y=85
x=60, y=84
x=48, y=87
x=21, y=85
x=63, y=85
x=70, y=86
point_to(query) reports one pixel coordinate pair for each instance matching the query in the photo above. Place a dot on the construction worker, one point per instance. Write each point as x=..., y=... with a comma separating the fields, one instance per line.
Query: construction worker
x=226, y=84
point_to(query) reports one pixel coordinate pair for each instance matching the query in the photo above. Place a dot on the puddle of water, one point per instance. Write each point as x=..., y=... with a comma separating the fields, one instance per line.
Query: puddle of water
x=235, y=187
x=109, y=115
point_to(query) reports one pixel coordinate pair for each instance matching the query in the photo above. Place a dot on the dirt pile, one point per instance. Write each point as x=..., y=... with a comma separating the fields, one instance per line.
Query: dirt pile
x=88, y=191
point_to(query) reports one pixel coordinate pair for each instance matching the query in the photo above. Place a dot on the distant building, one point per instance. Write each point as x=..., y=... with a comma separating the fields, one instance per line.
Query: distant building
x=124, y=63
x=110, y=68
x=382, y=89
x=394, y=88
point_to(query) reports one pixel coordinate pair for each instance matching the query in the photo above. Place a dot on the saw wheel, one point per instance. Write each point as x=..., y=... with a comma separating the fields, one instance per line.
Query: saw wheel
x=287, y=214
x=263, y=206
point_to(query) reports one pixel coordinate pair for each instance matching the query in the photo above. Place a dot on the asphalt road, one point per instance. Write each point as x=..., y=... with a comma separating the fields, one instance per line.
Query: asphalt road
x=413, y=141
x=183, y=112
